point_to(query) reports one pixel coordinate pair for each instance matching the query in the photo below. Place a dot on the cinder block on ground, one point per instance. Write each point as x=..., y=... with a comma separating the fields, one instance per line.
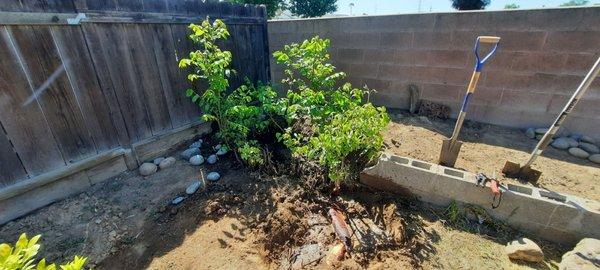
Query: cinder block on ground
x=553, y=216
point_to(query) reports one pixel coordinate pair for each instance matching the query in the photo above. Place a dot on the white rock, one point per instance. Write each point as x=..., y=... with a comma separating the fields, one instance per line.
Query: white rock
x=578, y=152
x=530, y=133
x=167, y=162
x=148, y=169
x=217, y=147
x=584, y=256
x=541, y=130
x=524, y=249
x=561, y=143
x=191, y=189
x=587, y=139
x=158, y=160
x=188, y=153
x=196, y=145
x=197, y=160
x=212, y=159
x=213, y=176
x=222, y=151
x=590, y=148
x=177, y=200
x=595, y=158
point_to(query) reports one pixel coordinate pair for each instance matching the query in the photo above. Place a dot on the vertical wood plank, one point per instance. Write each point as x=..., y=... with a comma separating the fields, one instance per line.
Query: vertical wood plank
x=97, y=53
x=58, y=101
x=100, y=5
x=63, y=6
x=25, y=125
x=11, y=168
x=155, y=5
x=130, y=5
x=174, y=82
x=144, y=72
x=80, y=70
x=116, y=58
x=183, y=46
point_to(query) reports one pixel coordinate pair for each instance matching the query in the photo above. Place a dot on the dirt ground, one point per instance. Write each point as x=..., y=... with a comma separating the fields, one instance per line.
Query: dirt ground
x=485, y=149
x=248, y=220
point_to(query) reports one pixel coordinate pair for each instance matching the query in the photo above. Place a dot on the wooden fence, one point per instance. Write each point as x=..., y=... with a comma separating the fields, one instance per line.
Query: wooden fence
x=110, y=70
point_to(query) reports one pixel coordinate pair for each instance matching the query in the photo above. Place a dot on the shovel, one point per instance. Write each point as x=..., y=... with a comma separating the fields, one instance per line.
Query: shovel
x=525, y=172
x=451, y=147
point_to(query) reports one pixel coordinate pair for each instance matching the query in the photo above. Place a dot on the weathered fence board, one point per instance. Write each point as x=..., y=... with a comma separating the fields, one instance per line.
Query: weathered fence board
x=111, y=80
x=115, y=56
x=73, y=50
x=25, y=125
x=145, y=71
x=58, y=101
x=11, y=168
x=181, y=110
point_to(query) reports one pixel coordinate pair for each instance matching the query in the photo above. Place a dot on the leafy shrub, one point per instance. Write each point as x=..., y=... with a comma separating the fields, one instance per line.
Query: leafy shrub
x=22, y=256
x=346, y=130
x=240, y=114
x=322, y=119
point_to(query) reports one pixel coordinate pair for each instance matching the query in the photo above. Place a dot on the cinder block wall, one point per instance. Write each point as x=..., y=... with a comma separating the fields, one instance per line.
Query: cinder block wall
x=542, y=58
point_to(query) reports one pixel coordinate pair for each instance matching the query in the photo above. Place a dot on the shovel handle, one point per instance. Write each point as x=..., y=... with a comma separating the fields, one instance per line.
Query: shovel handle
x=484, y=39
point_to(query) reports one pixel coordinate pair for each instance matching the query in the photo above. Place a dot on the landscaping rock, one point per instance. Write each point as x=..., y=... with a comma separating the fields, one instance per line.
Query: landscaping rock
x=191, y=189
x=148, y=169
x=177, y=200
x=217, y=147
x=158, y=160
x=212, y=159
x=541, y=130
x=530, y=133
x=576, y=136
x=590, y=148
x=167, y=162
x=187, y=154
x=578, y=152
x=213, y=176
x=584, y=256
x=197, y=160
x=196, y=145
x=222, y=151
x=572, y=142
x=587, y=139
x=561, y=143
x=524, y=249
x=595, y=158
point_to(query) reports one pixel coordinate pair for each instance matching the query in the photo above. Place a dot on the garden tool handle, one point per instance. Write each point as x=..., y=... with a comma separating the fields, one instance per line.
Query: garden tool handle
x=474, y=79
x=547, y=138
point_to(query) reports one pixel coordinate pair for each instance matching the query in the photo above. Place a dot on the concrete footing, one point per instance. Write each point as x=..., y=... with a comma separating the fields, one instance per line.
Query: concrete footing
x=31, y=194
x=549, y=215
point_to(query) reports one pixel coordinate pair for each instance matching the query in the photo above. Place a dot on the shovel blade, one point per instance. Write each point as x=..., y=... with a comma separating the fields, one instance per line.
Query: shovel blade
x=515, y=170
x=449, y=152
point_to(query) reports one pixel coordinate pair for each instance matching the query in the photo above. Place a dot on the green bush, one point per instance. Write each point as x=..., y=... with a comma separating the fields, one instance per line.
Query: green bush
x=320, y=118
x=346, y=128
x=240, y=114
x=22, y=256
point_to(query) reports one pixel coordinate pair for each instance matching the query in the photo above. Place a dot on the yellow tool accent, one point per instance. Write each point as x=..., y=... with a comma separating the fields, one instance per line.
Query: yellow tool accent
x=473, y=83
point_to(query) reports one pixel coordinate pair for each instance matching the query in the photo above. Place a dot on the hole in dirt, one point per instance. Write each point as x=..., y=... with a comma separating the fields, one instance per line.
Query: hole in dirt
x=520, y=189
x=400, y=160
x=421, y=165
x=553, y=196
x=454, y=173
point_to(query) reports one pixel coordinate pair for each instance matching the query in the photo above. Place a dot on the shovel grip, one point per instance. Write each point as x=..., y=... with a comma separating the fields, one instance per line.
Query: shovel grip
x=484, y=39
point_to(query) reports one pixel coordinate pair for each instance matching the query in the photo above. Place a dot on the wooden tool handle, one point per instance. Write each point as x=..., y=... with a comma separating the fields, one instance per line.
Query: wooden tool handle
x=489, y=39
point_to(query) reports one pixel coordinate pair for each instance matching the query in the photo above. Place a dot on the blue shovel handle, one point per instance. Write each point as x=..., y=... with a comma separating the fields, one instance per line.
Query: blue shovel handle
x=484, y=39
